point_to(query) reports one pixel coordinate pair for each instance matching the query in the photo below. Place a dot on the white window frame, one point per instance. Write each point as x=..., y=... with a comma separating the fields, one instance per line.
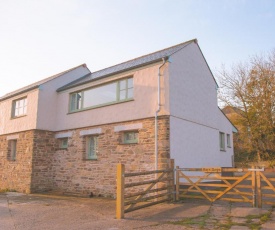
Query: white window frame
x=75, y=105
x=89, y=155
x=222, y=141
x=16, y=107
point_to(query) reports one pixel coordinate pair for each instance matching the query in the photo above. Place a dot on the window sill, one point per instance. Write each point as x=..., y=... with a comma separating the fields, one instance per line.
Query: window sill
x=222, y=150
x=100, y=106
x=89, y=159
x=62, y=149
x=18, y=116
x=128, y=143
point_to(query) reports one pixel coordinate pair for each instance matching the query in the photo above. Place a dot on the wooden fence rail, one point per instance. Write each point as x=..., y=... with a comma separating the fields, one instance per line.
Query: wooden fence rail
x=244, y=185
x=266, y=188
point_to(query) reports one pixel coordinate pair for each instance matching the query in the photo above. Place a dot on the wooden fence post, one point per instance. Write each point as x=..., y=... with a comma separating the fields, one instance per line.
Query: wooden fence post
x=177, y=183
x=259, y=191
x=253, y=184
x=120, y=191
x=172, y=182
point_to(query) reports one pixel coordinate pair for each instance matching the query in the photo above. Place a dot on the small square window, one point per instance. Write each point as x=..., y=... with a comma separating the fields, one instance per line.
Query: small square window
x=228, y=140
x=19, y=107
x=130, y=137
x=63, y=143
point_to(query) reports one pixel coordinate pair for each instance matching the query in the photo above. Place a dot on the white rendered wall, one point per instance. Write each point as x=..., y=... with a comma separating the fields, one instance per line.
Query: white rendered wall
x=41, y=105
x=194, y=94
x=144, y=104
x=26, y=122
x=195, y=117
x=48, y=97
x=192, y=144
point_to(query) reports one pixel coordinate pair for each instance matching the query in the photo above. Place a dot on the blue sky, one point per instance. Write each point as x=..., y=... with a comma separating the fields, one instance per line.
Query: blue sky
x=42, y=38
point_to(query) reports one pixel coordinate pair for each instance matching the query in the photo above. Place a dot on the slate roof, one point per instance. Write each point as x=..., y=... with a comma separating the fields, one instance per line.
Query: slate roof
x=36, y=84
x=128, y=65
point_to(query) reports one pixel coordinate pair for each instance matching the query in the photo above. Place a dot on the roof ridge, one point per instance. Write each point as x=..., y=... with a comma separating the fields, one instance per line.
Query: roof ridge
x=38, y=83
x=192, y=40
x=58, y=74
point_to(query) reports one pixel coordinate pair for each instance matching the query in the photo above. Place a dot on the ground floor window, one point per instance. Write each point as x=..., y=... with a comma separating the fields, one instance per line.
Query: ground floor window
x=91, y=147
x=63, y=143
x=130, y=137
x=12, y=150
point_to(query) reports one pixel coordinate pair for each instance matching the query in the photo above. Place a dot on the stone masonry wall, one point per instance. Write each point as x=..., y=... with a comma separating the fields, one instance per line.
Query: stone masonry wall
x=41, y=165
x=31, y=170
x=44, y=147
x=72, y=174
x=15, y=174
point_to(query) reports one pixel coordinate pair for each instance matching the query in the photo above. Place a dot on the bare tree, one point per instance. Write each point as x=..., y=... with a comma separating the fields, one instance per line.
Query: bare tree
x=250, y=89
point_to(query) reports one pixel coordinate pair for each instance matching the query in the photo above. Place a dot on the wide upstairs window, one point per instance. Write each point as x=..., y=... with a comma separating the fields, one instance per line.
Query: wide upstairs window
x=100, y=96
x=110, y=93
x=19, y=107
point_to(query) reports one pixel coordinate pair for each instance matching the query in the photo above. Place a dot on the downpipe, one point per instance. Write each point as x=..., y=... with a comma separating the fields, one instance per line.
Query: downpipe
x=156, y=115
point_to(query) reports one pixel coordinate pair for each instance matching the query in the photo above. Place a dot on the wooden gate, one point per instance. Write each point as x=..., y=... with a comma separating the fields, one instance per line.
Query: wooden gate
x=138, y=190
x=239, y=185
x=266, y=187
x=143, y=189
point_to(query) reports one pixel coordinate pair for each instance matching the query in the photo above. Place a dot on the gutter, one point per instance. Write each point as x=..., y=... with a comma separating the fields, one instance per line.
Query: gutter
x=156, y=114
x=7, y=96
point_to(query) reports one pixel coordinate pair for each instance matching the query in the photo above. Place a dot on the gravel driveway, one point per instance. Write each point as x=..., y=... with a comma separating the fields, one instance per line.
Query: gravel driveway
x=40, y=212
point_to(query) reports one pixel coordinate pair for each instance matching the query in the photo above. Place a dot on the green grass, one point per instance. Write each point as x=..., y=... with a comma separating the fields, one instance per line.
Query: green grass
x=263, y=218
x=200, y=222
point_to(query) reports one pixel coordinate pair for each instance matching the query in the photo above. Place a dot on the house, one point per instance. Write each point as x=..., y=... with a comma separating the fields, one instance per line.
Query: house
x=67, y=133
